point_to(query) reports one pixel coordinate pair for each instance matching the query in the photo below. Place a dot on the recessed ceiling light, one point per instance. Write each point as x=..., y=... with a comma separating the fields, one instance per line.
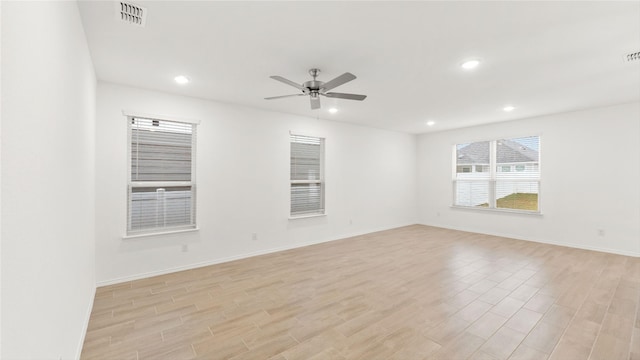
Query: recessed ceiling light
x=181, y=79
x=333, y=110
x=470, y=64
x=431, y=123
x=508, y=108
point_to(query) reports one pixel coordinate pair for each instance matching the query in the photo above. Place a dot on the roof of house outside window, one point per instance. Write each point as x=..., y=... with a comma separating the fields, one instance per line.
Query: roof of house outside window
x=508, y=152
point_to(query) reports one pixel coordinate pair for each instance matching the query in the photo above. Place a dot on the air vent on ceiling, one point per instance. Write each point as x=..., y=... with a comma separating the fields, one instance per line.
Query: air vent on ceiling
x=632, y=56
x=131, y=13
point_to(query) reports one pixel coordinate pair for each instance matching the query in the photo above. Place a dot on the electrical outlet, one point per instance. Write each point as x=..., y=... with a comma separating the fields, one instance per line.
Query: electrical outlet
x=185, y=248
x=254, y=236
x=600, y=232
x=350, y=221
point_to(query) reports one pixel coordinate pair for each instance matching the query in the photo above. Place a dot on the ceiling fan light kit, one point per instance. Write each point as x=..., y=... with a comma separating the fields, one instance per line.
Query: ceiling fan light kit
x=316, y=88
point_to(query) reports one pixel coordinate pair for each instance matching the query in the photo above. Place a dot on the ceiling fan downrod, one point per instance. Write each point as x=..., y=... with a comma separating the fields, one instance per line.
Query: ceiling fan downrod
x=313, y=85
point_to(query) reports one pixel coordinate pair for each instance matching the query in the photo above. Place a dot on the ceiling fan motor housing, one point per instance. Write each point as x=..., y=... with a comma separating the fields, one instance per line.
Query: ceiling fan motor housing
x=313, y=85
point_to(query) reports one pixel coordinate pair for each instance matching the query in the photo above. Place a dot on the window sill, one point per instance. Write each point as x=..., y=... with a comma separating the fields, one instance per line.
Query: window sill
x=306, y=216
x=500, y=211
x=159, y=233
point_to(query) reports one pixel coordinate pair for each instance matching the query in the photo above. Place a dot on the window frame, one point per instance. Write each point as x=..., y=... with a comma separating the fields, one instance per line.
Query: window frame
x=129, y=115
x=493, y=180
x=321, y=181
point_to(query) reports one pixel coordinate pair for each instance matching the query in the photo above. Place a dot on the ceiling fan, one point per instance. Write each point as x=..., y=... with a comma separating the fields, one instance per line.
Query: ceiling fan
x=315, y=88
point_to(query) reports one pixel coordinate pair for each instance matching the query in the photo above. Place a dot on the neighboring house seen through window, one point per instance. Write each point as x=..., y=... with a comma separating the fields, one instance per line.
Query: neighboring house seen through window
x=161, y=188
x=307, y=176
x=511, y=179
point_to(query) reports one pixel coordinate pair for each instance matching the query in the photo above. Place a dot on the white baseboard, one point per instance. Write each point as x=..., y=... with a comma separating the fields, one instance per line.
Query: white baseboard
x=86, y=324
x=543, y=241
x=237, y=257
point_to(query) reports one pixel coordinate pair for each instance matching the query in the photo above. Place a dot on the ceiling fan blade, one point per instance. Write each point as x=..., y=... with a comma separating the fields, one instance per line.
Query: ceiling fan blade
x=346, y=96
x=288, y=82
x=315, y=102
x=346, y=77
x=283, y=96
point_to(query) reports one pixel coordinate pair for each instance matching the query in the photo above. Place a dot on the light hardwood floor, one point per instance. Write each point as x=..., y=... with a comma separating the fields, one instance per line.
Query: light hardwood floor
x=415, y=292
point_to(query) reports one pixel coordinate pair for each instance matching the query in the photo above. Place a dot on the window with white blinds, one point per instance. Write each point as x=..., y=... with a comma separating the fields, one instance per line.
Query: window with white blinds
x=307, y=175
x=161, y=191
x=499, y=174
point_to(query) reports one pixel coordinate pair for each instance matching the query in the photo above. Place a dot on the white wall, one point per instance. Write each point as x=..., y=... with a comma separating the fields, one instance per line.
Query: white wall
x=48, y=114
x=243, y=183
x=0, y=184
x=590, y=179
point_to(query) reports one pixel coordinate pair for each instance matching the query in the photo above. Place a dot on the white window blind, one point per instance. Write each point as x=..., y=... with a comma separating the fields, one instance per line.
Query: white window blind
x=307, y=175
x=162, y=176
x=498, y=174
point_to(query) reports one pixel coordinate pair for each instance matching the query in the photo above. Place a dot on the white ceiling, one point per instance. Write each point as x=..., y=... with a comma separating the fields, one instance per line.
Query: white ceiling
x=542, y=57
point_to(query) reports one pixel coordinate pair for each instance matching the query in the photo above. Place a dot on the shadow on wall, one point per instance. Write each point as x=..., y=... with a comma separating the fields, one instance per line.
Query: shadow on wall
x=180, y=240
x=307, y=222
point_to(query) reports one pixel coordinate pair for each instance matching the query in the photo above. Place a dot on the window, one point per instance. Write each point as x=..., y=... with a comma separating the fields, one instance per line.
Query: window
x=307, y=175
x=161, y=189
x=499, y=187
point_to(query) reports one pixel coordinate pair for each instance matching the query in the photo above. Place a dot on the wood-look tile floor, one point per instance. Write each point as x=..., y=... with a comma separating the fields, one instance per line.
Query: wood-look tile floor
x=415, y=292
